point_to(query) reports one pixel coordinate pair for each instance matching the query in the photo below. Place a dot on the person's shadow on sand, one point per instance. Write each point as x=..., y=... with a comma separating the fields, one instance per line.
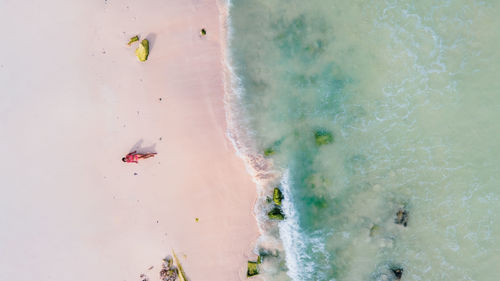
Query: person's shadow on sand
x=143, y=150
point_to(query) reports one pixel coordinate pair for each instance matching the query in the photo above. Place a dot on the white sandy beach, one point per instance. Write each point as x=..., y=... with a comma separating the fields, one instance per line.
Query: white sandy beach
x=74, y=100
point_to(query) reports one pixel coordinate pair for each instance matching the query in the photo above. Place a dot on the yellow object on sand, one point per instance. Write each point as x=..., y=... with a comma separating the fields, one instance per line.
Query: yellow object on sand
x=133, y=39
x=143, y=51
x=178, y=264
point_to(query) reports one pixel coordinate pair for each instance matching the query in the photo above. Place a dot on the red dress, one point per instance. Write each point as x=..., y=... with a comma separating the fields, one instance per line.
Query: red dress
x=131, y=158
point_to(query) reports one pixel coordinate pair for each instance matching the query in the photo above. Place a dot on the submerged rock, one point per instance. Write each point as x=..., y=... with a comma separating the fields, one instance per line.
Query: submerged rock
x=402, y=217
x=271, y=150
x=323, y=137
x=277, y=196
x=142, y=52
x=374, y=230
x=276, y=214
x=398, y=273
x=252, y=269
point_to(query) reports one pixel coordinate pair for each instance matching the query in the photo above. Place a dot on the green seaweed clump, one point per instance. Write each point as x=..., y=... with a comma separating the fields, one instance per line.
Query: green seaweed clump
x=143, y=51
x=276, y=214
x=277, y=196
x=323, y=137
x=203, y=32
x=271, y=150
x=252, y=269
x=133, y=39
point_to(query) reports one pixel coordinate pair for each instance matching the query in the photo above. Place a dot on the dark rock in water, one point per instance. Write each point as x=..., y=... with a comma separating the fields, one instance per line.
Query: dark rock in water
x=323, y=137
x=402, y=217
x=276, y=214
x=398, y=273
x=252, y=269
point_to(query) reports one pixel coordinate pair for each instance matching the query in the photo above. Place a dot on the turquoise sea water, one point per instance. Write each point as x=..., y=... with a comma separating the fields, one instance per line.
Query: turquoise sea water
x=410, y=91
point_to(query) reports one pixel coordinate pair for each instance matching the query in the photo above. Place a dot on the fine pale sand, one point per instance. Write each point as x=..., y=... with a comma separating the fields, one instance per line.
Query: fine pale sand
x=74, y=100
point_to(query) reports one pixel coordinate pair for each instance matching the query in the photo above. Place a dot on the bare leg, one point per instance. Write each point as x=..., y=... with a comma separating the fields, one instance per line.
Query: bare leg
x=146, y=156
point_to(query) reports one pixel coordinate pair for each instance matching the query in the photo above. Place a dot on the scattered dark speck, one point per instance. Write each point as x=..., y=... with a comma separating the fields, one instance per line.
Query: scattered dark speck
x=135, y=174
x=160, y=138
x=124, y=126
x=104, y=52
x=159, y=99
x=157, y=221
x=137, y=112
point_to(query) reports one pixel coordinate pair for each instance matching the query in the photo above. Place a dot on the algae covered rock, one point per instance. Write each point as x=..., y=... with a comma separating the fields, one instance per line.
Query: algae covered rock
x=277, y=196
x=133, y=39
x=143, y=51
x=252, y=269
x=276, y=214
x=323, y=137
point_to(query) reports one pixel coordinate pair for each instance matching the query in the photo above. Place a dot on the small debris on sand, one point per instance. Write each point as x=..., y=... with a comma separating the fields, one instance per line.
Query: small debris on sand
x=203, y=32
x=133, y=39
x=168, y=271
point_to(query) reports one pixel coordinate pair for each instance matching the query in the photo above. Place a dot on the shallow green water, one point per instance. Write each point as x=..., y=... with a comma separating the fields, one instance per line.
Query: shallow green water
x=411, y=93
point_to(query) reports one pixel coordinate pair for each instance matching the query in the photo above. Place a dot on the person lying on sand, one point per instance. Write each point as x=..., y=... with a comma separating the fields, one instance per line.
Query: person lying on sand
x=133, y=157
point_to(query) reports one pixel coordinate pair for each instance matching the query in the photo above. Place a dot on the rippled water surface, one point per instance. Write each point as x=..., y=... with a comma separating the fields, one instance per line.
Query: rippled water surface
x=410, y=91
